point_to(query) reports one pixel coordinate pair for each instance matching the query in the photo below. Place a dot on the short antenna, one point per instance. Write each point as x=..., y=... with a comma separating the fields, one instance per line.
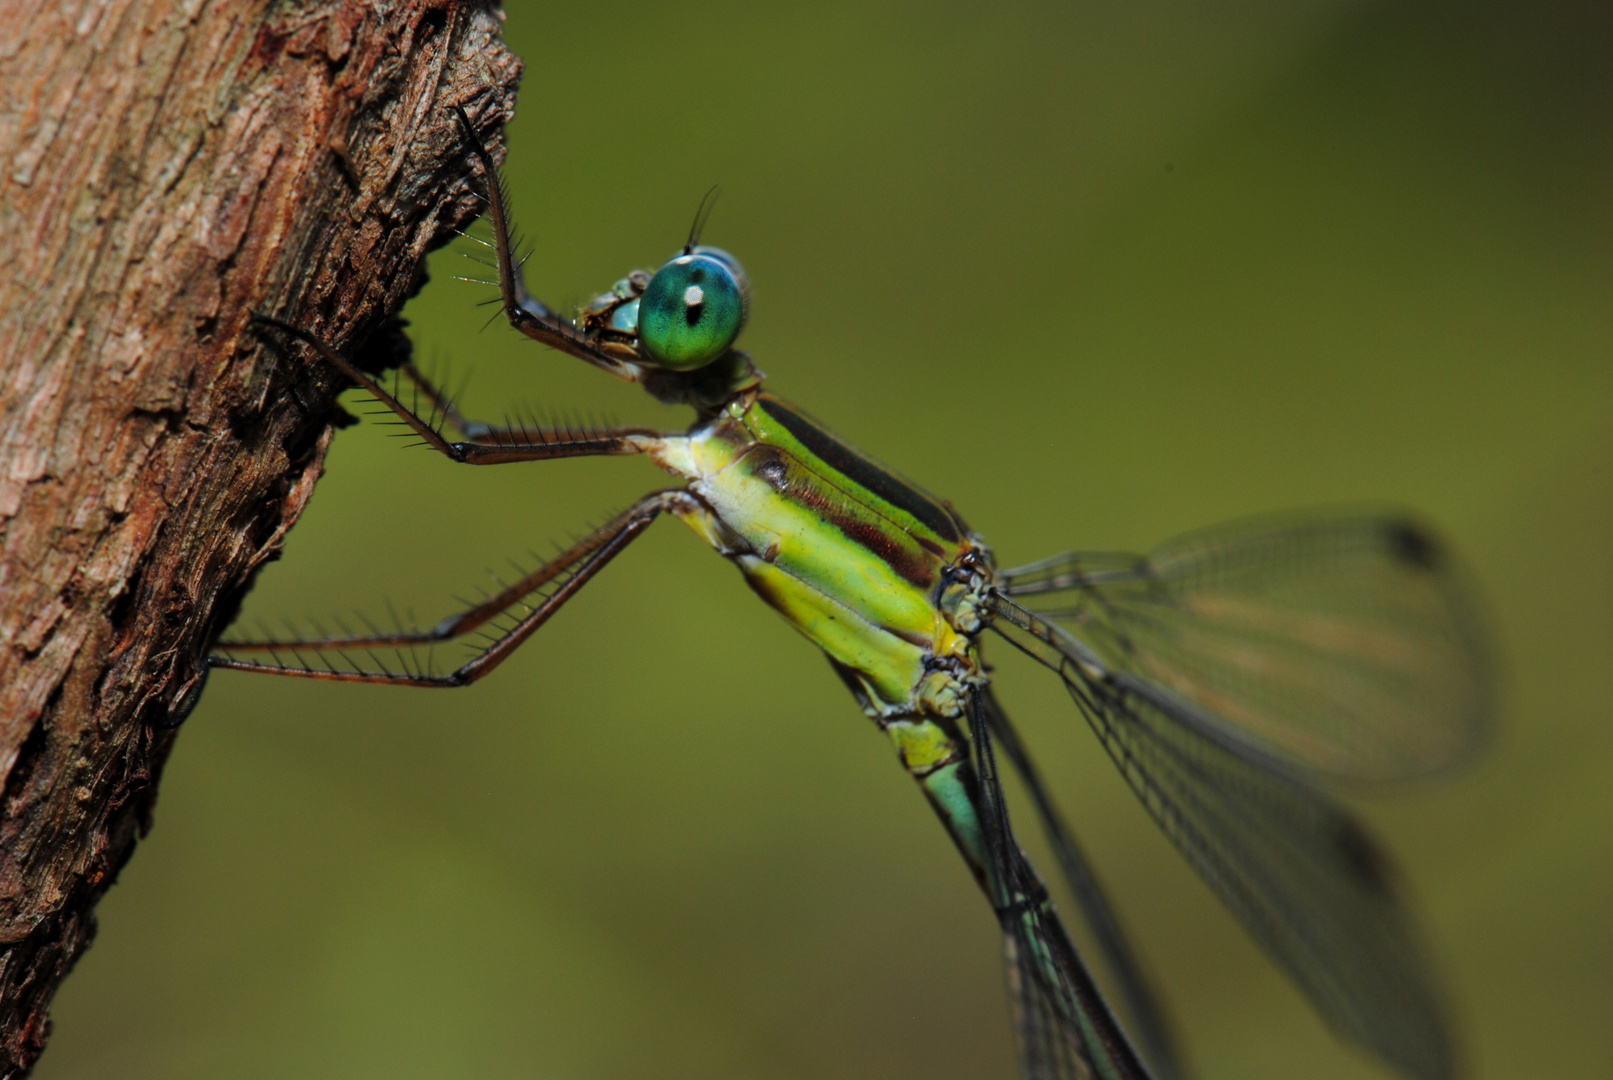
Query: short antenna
x=707, y=202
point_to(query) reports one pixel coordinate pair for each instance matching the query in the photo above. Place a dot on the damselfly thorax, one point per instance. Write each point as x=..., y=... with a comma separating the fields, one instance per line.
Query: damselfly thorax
x=886, y=579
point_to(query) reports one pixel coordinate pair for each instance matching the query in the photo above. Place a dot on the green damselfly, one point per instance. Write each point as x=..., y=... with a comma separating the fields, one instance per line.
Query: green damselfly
x=1227, y=673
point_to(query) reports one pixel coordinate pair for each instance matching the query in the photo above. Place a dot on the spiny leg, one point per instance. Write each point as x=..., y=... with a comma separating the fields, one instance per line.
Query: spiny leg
x=526, y=312
x=614, y=440
x=465, y=621
x=573, y=567
x=536, y=445
x=444, y=406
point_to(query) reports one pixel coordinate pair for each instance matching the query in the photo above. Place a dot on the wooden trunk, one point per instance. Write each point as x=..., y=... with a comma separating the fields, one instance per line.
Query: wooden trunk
x=166, y=168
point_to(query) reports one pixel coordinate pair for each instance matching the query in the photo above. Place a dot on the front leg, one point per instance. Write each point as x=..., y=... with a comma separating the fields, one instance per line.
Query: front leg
x=526, y=312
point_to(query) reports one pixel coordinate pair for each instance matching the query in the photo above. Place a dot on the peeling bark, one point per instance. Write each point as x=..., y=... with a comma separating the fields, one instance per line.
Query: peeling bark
x=166, y=167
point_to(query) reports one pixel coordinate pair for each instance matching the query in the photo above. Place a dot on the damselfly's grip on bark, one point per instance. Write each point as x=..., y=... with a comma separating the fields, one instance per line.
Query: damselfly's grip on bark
x=166, y=169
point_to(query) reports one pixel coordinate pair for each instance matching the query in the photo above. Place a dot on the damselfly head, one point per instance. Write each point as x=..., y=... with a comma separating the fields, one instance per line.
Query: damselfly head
x=693, y=309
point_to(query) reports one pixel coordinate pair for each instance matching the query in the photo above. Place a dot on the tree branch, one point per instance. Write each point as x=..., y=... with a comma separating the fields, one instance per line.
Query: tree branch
x=167, y=167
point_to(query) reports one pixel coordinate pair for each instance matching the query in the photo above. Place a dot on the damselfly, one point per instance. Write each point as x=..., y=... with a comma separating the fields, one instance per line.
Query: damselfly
x=1227, y=674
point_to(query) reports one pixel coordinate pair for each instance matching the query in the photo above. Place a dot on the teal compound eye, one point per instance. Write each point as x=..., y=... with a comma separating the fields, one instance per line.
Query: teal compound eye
x=693, y=309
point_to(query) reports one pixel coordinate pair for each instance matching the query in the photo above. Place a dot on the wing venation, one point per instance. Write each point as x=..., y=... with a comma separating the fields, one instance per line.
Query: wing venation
x=1303, y=876
x=1345, y=643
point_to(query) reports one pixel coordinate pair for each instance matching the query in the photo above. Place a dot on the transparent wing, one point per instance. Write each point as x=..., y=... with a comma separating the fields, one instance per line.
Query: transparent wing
x=1345, y=642
x=1305, y=878
x=1141, y=1004
x=1063, y=1028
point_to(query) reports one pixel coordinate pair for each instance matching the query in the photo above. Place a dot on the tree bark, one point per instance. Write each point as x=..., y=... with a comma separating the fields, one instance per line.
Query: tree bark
x=167, y=167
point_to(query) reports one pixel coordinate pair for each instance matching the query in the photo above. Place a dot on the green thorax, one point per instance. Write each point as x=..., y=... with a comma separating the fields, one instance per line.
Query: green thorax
x=853, y=556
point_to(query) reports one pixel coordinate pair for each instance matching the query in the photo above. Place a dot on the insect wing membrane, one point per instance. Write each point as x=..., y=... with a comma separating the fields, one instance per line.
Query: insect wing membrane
x=1302, y=875
x=1149, y=1025
x=1343, y=643
x=1063, y=1027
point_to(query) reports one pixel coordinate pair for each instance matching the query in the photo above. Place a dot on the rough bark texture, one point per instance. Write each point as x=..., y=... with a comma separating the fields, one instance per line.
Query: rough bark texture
x=167, y=166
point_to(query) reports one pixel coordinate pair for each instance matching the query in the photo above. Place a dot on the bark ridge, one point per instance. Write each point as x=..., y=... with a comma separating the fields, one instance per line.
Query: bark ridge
x=166, y=167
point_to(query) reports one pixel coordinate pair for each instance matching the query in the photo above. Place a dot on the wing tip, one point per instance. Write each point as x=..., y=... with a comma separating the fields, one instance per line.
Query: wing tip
x=1414, y=545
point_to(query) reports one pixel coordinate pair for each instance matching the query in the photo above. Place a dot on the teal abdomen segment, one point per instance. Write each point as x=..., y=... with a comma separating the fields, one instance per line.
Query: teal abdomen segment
x=952, y=791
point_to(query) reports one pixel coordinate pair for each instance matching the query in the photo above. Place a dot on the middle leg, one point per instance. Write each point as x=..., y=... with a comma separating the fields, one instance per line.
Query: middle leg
x=499, y=446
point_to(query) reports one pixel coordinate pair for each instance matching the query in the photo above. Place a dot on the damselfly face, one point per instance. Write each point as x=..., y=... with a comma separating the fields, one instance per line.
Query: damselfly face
x=681, y=318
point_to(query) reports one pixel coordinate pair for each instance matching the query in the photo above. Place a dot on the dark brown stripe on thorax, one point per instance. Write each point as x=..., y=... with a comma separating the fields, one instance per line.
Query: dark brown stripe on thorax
x=860, y=524
x=858, y=469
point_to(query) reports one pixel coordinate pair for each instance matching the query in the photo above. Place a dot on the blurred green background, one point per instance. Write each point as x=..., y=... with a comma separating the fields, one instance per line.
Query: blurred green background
x=1097, y=273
